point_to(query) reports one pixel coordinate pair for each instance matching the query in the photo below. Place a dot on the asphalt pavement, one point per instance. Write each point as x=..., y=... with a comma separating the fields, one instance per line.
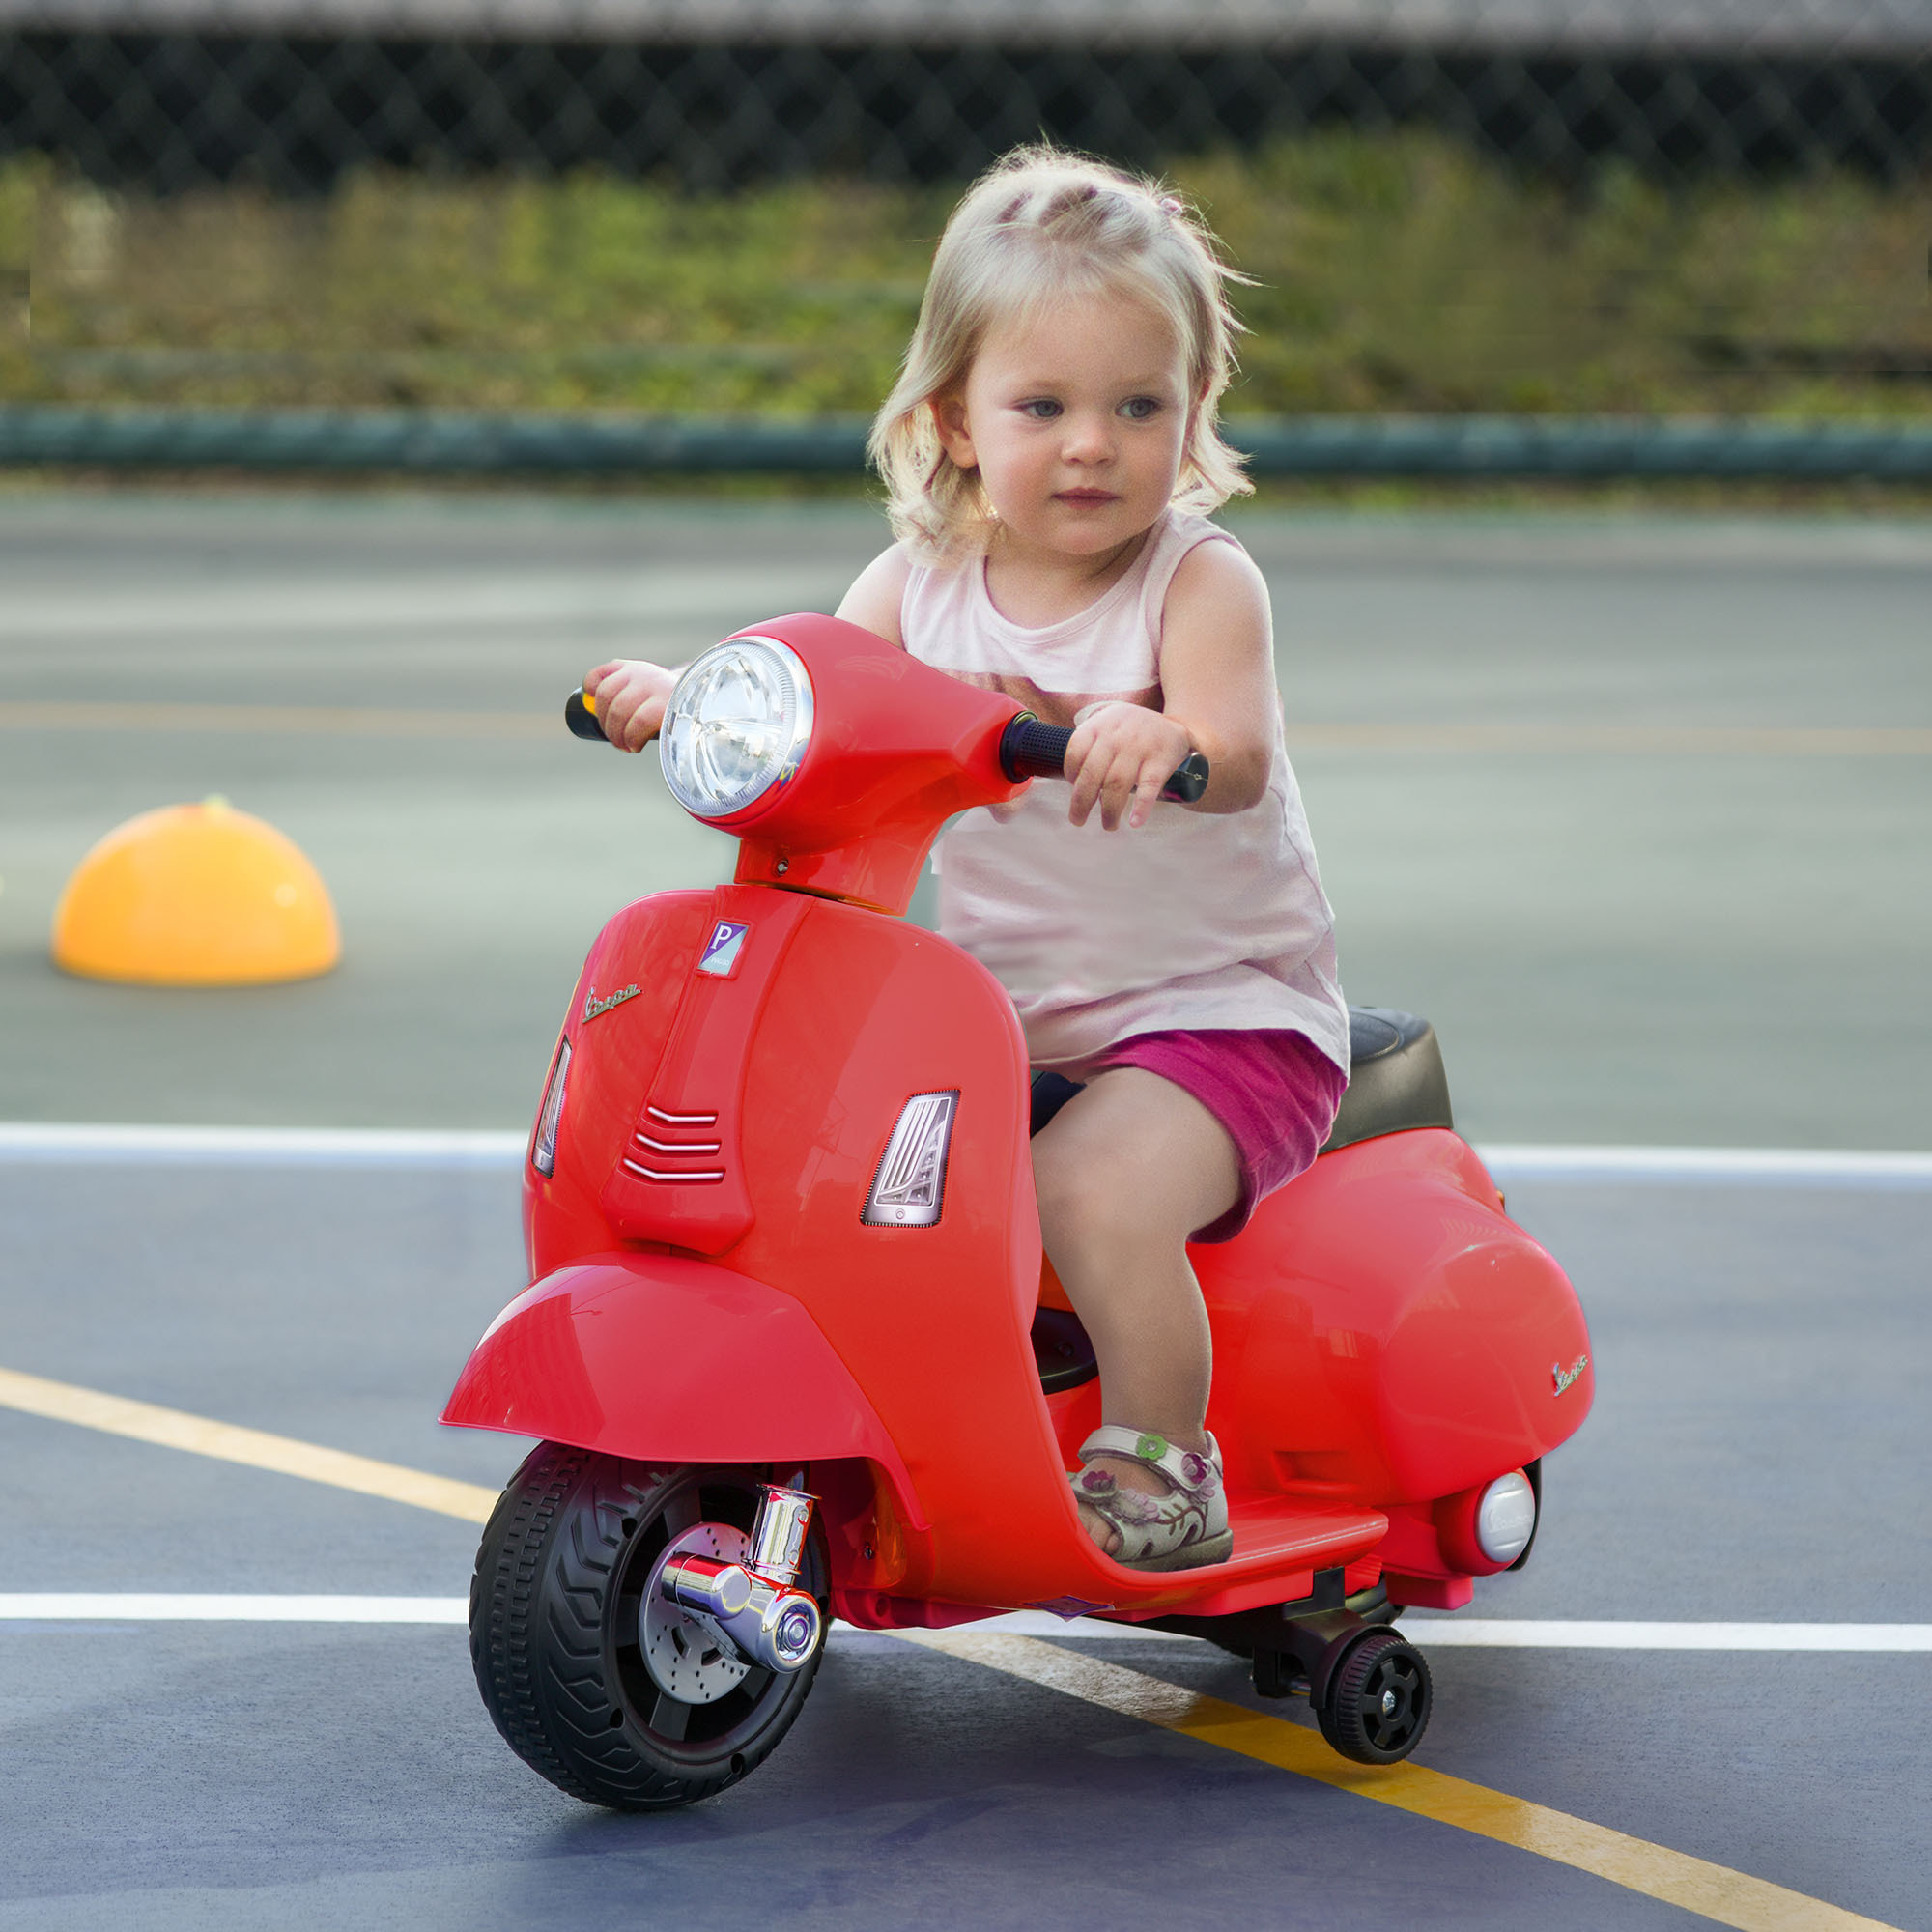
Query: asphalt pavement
x=1619, y=804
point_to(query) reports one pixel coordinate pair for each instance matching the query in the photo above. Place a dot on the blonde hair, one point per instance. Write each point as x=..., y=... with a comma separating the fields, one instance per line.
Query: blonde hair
x=1039, y=226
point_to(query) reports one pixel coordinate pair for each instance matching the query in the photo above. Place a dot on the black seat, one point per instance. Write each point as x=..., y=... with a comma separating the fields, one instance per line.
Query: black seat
x=1396, y=1079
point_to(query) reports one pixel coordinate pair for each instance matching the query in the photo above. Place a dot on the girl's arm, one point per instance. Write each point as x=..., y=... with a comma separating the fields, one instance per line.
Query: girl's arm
x=1217, y=698
x=874, y=598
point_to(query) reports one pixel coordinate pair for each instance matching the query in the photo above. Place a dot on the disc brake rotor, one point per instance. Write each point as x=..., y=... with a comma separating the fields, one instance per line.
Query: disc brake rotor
x=681, y=1655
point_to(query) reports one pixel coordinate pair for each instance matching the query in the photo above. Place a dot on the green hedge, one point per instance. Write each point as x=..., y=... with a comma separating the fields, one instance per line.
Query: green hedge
x=1397, y=274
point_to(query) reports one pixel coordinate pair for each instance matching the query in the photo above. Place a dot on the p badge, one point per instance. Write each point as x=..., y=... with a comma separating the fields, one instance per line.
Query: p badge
x=721, y=951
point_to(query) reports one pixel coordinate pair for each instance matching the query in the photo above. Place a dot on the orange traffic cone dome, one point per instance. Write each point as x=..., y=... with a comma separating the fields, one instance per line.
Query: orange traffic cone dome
x=195, y=895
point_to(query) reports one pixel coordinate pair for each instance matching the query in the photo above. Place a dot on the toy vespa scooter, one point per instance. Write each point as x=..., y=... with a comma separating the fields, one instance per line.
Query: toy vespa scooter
x=788, y=1328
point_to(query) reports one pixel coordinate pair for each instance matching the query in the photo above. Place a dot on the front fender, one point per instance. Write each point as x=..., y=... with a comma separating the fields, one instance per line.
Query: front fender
x=661, y=1358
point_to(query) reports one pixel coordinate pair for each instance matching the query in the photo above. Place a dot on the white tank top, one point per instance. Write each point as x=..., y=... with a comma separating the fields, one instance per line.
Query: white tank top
x=1193, y=920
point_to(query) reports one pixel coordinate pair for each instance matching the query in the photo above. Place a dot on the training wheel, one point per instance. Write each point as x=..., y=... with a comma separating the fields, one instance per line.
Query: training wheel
x=1377, y=1704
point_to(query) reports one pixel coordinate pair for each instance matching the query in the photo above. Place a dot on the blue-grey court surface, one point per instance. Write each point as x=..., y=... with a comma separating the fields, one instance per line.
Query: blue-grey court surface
x=1634, y=938
x=1756, y=1454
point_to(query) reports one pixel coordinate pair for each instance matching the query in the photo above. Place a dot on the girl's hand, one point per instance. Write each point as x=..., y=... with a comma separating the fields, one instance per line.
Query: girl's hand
x=630, y=697
x=1120, y=757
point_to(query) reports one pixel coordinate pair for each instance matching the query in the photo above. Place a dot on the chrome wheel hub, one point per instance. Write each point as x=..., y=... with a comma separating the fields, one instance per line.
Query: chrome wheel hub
x=681, y=1655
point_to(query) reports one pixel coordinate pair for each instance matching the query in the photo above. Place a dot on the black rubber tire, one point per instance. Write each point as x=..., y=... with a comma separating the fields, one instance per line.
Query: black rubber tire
x=554, y=1632
x=1378, y=1700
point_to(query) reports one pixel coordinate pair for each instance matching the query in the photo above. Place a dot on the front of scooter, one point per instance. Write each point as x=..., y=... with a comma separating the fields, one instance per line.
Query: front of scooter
x=833, y=759
x=741, y=1150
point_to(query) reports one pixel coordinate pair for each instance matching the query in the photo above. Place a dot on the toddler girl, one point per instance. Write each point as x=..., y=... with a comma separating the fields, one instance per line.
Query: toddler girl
x=1050, y=452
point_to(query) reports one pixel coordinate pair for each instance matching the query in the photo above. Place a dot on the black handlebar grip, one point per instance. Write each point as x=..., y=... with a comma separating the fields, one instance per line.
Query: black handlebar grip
x=1188, y=781
x=582, y=719
x=1031, y=750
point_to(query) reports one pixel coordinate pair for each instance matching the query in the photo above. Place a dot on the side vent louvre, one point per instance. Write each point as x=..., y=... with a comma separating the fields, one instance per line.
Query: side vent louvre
x=676, y=1151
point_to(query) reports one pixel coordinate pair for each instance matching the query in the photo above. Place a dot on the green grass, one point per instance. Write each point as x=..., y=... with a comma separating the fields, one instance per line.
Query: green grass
x=1396, y=273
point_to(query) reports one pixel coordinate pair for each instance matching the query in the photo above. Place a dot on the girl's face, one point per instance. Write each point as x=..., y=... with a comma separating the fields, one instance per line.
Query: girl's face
x=1076, y=422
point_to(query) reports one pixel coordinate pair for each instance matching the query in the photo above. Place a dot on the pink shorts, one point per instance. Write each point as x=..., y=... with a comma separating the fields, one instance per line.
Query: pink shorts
x=1275, y=1093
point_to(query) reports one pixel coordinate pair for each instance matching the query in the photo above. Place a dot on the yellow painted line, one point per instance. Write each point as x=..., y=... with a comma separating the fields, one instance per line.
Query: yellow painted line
x=1624, y=740
x=173, y=1429
x=1729, y=1897
x=300, y=718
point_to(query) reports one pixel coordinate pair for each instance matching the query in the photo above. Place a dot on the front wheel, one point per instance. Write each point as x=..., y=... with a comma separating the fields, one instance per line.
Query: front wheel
x=555, y=1627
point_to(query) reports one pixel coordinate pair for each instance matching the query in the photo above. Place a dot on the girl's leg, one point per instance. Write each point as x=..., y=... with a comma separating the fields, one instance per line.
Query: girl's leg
x=1125, y=1172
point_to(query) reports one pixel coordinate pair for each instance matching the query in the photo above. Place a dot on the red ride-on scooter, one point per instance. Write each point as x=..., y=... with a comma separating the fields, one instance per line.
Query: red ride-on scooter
x=788, y=1314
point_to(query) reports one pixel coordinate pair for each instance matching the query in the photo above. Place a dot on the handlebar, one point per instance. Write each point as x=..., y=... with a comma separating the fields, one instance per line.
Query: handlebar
x=1028, y=750
x=1031, y=750
x=580, y=713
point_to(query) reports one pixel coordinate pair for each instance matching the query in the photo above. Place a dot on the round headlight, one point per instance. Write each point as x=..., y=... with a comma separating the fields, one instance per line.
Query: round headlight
x=738, y=725
x=1506, y=1517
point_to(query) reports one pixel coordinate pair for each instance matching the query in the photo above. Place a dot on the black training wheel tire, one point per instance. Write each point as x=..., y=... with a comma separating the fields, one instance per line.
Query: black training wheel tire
x=554, y=1630
x=1378, y=1700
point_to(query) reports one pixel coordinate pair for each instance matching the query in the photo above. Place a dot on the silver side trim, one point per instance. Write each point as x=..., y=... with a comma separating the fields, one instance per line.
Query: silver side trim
x=681, y=1174
x=677, y=1147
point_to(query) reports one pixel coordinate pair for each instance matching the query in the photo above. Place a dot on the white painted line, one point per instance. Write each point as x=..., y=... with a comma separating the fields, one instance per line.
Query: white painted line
x=1512, y=1633
x=76, y=1143
x=1804, y=1167
x=90, y=1607
x=1043, y=1623
x=56, y=1142
x=84, y=1607
x=1434, y=1633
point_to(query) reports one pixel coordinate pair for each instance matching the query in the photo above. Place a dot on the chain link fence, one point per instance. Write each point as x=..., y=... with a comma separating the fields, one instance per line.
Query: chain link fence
x=571, y=234
x=167, y=95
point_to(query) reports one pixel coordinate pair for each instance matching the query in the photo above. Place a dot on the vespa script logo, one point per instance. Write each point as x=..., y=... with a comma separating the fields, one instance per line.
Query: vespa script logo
x=593, y=1005
x=1563, y=1377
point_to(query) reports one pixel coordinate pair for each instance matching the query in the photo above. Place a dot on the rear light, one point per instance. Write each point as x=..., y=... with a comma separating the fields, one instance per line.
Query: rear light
x=1486, y=1529
x=1506, y=1517
x=543, y=1143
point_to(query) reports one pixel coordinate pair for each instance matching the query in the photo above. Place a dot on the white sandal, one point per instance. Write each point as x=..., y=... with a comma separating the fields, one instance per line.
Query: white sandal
x=1180, y=1530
